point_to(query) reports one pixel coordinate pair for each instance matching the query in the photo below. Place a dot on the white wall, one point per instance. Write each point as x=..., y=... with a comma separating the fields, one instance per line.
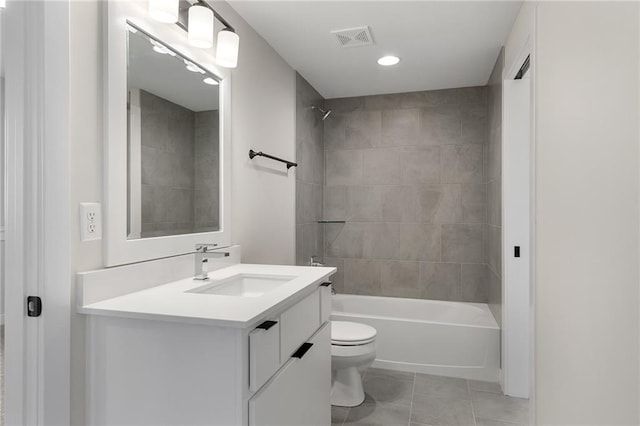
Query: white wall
x=587, y=134
x=85, y=163
x=263, y=119
x=263, y=94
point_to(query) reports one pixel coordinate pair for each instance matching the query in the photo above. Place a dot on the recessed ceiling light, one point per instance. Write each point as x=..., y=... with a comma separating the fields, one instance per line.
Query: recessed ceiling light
x=388, y=60
x=210, y=81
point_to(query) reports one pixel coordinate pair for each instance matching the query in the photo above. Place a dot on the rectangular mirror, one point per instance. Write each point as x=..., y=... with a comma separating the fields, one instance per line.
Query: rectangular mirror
x=173, y=141
x=167, y=140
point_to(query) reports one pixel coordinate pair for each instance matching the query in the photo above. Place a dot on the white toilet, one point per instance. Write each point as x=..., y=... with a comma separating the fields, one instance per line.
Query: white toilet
x=352, y=349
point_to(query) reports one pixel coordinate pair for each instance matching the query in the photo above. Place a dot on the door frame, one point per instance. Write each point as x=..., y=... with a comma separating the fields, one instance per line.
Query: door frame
x=526, y=49
x=37, y=367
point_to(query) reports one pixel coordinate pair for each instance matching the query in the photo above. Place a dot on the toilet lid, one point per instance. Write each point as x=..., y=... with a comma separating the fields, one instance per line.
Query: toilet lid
x=351, y=333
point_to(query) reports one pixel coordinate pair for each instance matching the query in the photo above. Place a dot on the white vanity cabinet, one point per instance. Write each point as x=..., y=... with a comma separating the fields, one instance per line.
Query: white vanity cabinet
x=274, y=372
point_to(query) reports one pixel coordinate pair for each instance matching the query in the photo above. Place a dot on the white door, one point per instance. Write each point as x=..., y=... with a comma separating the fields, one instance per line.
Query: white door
x=35, y=68
x=516, y=236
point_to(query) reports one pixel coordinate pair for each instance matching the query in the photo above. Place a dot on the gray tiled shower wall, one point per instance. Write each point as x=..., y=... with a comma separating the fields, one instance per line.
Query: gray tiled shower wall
x=407, y=174
x=179, y=168
x=309, y=173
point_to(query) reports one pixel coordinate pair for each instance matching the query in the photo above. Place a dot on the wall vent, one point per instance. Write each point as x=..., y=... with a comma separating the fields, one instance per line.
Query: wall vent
x=353, y=37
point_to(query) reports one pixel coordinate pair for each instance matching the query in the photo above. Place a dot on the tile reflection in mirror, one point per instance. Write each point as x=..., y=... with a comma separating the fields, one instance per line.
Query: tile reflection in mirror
x=173, y=142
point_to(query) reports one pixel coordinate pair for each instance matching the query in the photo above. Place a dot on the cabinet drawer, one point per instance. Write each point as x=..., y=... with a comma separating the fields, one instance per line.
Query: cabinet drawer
x=298, y=323
x=299, y=394
x=264, y=353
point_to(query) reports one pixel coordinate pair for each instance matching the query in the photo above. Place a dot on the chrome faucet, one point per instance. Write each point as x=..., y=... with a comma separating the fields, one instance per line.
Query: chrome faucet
x=202, y=257
x=314, y=262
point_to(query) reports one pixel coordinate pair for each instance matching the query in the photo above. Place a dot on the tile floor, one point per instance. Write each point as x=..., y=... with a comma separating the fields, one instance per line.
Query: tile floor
x=395, y=398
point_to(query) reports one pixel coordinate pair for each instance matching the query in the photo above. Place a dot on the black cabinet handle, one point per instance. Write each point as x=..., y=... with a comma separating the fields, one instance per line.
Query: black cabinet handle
x=327, y=284
x=302, y=350
x=267, y=325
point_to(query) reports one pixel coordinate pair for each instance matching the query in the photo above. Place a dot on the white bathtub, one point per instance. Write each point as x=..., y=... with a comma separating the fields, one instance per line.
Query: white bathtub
x=444, y=338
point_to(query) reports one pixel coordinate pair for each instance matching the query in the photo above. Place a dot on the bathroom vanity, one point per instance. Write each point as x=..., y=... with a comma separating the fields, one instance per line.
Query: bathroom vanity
x=250, y=346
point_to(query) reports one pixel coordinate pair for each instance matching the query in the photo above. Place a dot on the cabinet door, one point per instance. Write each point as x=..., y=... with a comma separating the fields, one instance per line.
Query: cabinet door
x=264, y=353
x=299, y=394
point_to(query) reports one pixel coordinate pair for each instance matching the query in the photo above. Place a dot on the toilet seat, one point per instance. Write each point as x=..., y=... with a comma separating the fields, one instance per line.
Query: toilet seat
x=347, y=333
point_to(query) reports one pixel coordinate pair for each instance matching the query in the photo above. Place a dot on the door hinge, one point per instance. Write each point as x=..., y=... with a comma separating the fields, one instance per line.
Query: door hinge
x=34, y=306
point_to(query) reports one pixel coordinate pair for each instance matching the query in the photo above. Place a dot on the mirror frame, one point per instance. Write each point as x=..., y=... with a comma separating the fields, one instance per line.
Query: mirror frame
x=119, y=250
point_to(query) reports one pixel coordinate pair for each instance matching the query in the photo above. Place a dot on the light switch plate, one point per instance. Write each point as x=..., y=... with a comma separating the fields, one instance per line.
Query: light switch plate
x=90, y=221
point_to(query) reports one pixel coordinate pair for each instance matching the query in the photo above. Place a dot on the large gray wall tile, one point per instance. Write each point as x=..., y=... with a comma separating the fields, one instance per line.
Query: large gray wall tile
x=344, y=240
x=441, y=203
x=473, y=200
x=420, y=165
x=335, y=203
x=441, y=125
x=400, y=278
x=364, y=203
x=440, y=281
x=334, y=131
x=462, y=243
x=401, y=203
x=462, y=164
x=474, y=124
x=381, y=240
x=474, y=285
x=344, y=167
x=363, y=129
x=400, y=127
x=381, y=166
x=362, y=276
x=418, y=242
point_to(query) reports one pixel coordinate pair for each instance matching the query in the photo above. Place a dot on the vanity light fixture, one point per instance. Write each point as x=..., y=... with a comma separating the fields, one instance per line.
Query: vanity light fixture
x=388, y=60
x=197, y=19
x=210, y=81
x=200, y=32
x=164, y=10
x=227, y=48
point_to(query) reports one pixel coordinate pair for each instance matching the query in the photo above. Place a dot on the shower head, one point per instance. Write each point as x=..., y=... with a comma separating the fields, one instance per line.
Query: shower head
x=324, y=113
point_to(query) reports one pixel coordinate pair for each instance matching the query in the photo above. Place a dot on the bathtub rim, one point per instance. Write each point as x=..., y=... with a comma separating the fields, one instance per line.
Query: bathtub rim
x=484, y=307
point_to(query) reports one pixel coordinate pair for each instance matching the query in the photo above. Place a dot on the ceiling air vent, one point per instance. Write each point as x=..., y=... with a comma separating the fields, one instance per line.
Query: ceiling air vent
x=353, y=37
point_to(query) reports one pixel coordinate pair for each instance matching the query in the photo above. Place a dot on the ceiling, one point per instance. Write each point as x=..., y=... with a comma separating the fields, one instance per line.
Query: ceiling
x=442, y=44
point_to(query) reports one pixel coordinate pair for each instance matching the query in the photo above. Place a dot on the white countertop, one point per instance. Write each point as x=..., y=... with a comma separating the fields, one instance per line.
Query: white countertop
x=173, y=302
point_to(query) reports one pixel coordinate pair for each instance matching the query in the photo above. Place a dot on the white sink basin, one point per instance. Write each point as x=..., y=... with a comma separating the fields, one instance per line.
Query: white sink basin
x=243, y=285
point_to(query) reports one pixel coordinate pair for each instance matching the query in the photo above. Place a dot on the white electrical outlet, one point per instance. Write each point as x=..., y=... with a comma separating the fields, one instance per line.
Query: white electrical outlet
x=90, y=222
